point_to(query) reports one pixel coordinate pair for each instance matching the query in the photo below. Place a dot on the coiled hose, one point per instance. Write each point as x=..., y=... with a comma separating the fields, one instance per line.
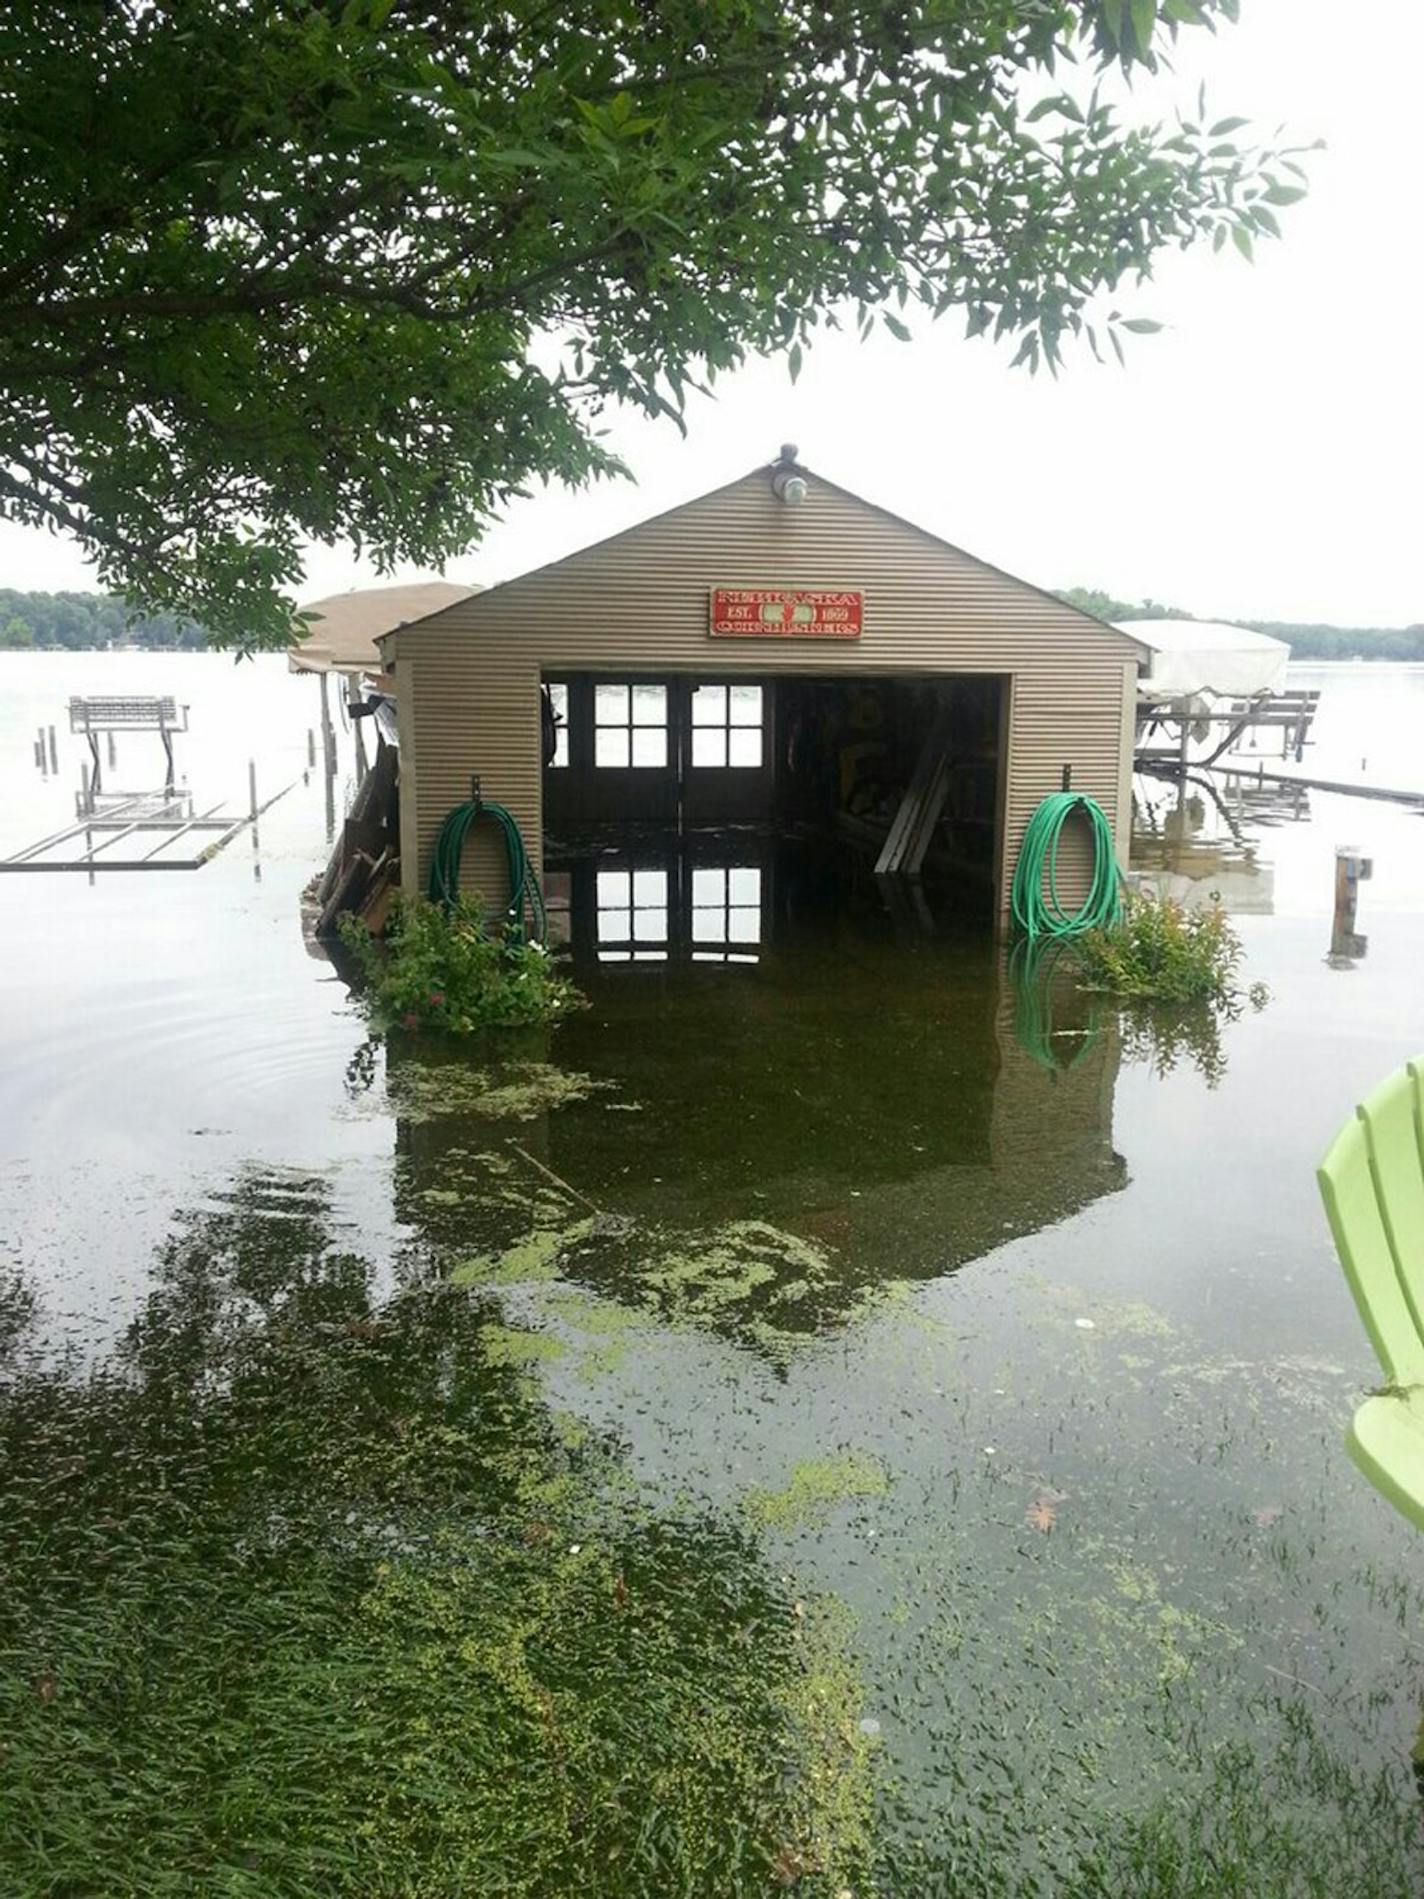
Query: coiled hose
x=524, y=892
x=1042, y=914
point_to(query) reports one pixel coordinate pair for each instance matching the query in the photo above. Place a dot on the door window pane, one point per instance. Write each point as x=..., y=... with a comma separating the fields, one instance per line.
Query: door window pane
x=727, y=725
x=630, y=727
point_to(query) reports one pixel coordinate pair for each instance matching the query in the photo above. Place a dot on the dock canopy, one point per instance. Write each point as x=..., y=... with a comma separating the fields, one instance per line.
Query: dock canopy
x=342, y=638
x=1201, y=658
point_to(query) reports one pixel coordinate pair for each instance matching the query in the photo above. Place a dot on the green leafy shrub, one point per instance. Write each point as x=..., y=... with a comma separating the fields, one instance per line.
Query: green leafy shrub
x=447, y=971
x=1163, y=952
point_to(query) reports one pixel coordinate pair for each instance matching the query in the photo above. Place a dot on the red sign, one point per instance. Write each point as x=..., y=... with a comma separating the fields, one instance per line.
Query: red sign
x=786, y=613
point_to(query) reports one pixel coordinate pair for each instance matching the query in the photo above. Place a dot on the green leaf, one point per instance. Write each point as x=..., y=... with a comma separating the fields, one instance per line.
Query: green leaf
x=1285, y=194
x=896, y=327
x=1242, y=240
x=793, y=360
x=1223, y=126
x=1142, y=326
x=1144, y=23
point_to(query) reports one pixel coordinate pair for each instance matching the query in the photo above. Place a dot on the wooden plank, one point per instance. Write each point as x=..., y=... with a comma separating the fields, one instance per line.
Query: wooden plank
x=928, y=816
x=920, y=808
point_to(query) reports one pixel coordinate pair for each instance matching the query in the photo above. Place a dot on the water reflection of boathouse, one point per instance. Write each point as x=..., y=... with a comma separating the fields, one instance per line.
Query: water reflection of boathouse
x=773, y=1050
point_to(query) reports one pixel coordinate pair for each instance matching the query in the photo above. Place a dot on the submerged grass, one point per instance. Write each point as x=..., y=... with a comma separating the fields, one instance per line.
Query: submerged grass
x=310, y=1595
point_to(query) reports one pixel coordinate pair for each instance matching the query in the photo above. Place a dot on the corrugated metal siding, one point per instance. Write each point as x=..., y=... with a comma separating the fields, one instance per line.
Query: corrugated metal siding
x=640, y=601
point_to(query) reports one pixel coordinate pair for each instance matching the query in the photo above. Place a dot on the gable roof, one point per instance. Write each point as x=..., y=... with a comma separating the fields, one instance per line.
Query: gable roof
x=346, y=626
x=492, y=598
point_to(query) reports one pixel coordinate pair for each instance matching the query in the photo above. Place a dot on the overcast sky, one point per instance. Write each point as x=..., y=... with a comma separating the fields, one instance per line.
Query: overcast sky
x=1260, y=458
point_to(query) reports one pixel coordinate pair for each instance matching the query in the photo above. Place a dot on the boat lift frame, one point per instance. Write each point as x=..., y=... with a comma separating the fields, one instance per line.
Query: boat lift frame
x=145, y=816
x=162, y=715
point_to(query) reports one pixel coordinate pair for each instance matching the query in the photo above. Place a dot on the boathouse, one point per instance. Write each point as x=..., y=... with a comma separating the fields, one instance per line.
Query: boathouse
x=778, y=655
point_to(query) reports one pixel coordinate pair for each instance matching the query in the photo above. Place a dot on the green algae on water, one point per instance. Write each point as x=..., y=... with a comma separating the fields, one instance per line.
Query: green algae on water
x=724, y=1271
x=534, y=1257
x=516, y=1346
x=517, y=1091
x=815, y=1486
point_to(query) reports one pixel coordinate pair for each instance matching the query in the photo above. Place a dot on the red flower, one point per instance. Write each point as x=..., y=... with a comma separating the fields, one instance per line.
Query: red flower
x=435, y=998
x=410, y=1020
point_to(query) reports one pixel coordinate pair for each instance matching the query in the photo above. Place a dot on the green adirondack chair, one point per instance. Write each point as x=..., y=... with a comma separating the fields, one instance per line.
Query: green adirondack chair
x=1372, y=1182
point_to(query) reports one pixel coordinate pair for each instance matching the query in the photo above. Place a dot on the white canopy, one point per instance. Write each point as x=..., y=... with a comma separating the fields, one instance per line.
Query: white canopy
x=1195, y=657
x=343, y=638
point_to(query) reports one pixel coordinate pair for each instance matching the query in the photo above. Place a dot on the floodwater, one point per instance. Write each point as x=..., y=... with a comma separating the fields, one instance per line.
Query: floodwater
x=839, y=1415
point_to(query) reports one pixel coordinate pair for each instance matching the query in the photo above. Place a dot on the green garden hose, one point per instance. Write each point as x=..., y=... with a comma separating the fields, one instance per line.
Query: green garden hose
x=1036, y=968
x=1042, y=914
x=524, y=891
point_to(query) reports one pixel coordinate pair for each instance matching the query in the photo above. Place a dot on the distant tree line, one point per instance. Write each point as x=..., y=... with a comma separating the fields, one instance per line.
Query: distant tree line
x=86, y=623
x=1305, y=642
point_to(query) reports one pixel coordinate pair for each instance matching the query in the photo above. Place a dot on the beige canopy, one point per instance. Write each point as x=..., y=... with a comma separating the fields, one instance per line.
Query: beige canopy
x=343, y=638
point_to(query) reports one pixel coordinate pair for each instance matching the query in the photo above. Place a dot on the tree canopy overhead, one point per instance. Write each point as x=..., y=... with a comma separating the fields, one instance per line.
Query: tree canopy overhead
x=362, y=269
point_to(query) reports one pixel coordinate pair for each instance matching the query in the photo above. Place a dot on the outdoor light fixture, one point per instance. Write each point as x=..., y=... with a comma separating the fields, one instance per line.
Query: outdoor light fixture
x=787, y=484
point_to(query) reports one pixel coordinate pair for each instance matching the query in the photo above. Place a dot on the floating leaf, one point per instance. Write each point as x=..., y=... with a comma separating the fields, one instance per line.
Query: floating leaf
x=1042, y=1512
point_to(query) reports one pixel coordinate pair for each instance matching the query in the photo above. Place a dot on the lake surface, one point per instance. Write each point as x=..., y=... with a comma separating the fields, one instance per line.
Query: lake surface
x=990, y=1347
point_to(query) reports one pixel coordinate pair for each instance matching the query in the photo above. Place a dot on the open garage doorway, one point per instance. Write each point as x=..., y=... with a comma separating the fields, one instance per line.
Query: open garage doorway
x=861, y=758
x=754, y=775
